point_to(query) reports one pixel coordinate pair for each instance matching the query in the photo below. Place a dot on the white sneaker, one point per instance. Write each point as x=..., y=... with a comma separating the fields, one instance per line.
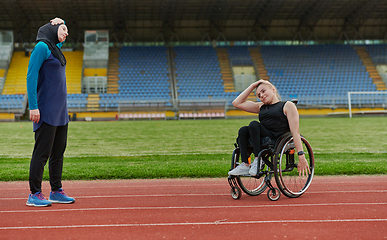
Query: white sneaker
x=253, y=167
x=241, y=169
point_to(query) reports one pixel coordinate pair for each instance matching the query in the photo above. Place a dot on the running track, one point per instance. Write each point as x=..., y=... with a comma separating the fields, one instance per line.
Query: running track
x=332, y=208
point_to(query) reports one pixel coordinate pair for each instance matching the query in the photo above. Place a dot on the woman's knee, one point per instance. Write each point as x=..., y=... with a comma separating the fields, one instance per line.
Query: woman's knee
x=254, y=124
x=243, y=130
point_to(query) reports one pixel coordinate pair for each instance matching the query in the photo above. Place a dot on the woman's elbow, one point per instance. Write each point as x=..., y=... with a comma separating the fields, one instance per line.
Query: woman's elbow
x=235, y=104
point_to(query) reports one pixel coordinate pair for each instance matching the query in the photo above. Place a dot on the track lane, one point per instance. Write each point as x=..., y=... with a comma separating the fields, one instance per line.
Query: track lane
x=200, y=207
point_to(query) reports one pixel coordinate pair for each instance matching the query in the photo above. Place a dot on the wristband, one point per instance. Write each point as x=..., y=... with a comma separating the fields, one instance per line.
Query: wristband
x=300, y=153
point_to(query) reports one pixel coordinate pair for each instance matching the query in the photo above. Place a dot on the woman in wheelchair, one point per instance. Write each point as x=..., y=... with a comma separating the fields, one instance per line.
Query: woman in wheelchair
x=275, y=118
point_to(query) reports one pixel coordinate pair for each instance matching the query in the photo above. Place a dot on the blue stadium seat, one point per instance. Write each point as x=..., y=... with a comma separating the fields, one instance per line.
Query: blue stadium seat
x=317, y=70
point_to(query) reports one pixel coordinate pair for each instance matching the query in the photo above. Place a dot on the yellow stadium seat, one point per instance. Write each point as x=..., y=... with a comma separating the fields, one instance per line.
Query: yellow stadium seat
x=15, y=82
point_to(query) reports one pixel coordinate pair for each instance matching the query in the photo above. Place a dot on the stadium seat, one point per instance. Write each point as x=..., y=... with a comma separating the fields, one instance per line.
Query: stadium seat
x=315, y=71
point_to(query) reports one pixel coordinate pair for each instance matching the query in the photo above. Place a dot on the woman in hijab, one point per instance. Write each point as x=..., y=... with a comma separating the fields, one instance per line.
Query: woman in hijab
x=47, y=98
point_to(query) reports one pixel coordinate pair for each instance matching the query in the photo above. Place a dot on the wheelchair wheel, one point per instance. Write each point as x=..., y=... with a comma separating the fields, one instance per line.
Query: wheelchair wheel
x=286, y=161
x=250, y=185
x=236, y=193
x=274, y=194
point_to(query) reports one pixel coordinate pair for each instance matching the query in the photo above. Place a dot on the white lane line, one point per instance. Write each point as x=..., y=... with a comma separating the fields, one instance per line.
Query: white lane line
x=195, y=183
x=221, y=222
x=49, y=209
x=199, y=194
x=137, y=195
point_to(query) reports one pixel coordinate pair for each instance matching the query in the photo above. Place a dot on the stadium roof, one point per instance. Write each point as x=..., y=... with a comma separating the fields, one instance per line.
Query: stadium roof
x=196, y=20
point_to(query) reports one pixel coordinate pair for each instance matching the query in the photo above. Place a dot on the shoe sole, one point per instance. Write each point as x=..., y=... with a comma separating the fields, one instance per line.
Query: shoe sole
x=242, y=174
x=63, y=202
x=34, y=205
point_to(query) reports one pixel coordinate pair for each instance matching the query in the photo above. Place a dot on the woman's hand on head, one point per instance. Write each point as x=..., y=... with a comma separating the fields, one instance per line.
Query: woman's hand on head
x=255, y=84
x=56, y=21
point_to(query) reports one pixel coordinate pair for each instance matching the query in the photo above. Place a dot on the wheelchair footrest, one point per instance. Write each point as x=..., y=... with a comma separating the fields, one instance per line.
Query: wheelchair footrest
x=231, y=181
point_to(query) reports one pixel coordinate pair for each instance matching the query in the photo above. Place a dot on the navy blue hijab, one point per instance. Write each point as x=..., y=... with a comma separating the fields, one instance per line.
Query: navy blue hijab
x=49, y=35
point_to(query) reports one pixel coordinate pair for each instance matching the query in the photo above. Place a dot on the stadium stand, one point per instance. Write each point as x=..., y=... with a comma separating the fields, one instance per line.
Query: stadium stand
x=199, y=82
x=316, y=73
x=13, y=99
x=76, y=101
x=112, y=74
x=370, y=68
x=11, y=102
x=15, y=82
x=74, y=71
x=2, y=79
x=225, y=70
x=377, y=56
x=378, y=53
x=143, y=74
x=240, y=56
x=258, y=62
x=198, y=74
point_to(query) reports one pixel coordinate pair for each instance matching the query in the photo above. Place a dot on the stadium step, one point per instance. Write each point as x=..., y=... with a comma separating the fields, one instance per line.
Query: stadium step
x=112, y=75
x=225, y=70
x=260, y=66
x=370, y=68
x=92, y=102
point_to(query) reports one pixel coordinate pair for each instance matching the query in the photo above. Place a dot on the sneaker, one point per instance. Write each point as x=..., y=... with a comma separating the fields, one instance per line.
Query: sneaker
x=37, y=200
x=253, y=167
x=241, y=169
x=60, y=197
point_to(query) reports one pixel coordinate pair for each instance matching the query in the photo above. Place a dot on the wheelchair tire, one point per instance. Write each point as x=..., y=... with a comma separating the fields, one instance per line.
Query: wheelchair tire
x=274, y=194
x=236, y=193
x=286, y=174
x=250, y=185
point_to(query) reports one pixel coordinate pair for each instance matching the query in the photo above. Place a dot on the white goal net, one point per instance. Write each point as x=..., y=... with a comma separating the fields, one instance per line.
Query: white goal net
x=364, y=99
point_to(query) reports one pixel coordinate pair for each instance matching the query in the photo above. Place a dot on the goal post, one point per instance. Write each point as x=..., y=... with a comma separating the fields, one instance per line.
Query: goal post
x=382, y=99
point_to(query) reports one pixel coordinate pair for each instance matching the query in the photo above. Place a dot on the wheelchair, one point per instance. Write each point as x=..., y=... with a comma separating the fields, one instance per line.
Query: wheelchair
x=279, y=160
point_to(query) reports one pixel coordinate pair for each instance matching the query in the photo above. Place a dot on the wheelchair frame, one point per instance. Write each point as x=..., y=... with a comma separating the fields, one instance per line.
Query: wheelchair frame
x=279, y=161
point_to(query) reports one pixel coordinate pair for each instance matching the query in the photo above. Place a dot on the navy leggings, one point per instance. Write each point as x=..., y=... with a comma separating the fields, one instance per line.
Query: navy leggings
x=254, y=132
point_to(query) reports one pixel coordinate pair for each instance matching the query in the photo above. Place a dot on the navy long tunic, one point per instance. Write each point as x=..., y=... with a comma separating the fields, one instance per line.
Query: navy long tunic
x=46, y=87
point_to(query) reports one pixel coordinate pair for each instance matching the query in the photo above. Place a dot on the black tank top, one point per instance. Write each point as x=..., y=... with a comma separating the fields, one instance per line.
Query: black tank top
x=272, y=117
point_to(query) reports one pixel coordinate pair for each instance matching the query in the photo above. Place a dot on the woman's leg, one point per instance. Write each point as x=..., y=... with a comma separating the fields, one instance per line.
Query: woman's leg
x=257, y=131
x=44, y=138
x=243, y=142
x=56, y=158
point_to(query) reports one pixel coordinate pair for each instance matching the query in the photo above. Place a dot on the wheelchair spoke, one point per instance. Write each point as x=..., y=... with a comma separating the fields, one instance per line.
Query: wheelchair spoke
x=251, y=185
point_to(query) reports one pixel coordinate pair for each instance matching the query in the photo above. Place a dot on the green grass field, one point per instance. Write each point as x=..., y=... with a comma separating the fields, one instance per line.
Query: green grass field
x=189, y=148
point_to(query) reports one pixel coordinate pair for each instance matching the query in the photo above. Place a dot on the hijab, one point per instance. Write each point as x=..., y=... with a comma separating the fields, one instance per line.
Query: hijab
x=49, y=35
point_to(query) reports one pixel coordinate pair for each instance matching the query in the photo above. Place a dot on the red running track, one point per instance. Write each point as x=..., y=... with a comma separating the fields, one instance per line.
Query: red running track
x=332, y=208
